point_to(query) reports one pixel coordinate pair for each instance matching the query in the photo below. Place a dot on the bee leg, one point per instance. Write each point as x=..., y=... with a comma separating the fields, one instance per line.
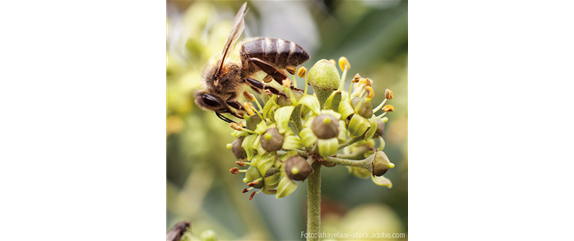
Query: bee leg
x=259, y=85
x=224, y=118
x=255, y=89
x=297, y=89
x=231, y=102
x=269, y=69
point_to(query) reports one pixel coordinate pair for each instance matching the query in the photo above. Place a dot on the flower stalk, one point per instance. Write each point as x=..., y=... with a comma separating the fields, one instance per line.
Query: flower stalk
x=314, y=203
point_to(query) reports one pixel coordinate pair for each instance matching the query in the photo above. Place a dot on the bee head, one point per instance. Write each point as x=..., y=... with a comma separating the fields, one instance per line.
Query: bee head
x=208, y=101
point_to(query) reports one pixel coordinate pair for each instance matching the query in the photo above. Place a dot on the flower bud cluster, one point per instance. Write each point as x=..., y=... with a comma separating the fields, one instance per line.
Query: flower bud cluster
x=279, y=142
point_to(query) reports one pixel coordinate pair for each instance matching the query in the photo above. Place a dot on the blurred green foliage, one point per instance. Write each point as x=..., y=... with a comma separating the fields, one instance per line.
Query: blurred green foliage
x=374, y=38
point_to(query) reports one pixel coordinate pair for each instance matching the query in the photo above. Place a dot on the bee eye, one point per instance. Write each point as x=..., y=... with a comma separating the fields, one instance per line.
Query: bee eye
x=210, y=100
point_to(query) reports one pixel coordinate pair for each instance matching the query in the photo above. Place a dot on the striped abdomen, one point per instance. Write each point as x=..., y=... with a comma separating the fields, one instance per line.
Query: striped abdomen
x=278, y=52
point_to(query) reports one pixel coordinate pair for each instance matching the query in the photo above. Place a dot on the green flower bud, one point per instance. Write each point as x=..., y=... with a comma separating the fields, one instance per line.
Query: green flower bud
x=208, y=235
x=237, y=149
x=297, y=168
x=381, y=164
x=364, y=108
x=272, y=140
x=324, y=78
x=358, y=126
x=380, y=128
x=252, y=121
x=328, y=147
x=325, y=126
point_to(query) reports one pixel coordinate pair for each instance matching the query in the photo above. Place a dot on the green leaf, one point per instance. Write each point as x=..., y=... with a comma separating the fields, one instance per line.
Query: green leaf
x=282, y=117
x=328, y=147
x=310, y=102
x=382, y=181
x=248, y=145
x=286, y=187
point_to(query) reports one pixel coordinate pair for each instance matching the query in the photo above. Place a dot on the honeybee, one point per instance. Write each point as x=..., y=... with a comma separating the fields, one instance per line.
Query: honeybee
x=224, y=78
x=177, y=231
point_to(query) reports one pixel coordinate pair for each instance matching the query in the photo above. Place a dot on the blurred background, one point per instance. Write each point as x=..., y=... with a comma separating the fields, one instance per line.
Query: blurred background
x=373, y=35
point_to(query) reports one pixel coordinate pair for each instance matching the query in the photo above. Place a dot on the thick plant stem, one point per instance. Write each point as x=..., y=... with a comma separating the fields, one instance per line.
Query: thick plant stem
x=314, y=203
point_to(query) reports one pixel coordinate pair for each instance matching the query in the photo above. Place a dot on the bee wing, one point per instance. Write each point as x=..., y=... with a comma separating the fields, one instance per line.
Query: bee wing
x=236, y=30
x=173, y=235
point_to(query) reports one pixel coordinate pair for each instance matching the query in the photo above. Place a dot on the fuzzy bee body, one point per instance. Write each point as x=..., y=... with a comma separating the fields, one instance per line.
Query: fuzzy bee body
x=224, y=78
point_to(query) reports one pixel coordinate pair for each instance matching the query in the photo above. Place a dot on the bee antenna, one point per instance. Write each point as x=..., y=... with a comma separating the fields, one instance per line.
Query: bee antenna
x=224, y=118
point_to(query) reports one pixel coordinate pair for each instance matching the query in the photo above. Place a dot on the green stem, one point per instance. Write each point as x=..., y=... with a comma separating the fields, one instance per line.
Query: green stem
x=366, y=163
x=350, y=142
x=314, y=203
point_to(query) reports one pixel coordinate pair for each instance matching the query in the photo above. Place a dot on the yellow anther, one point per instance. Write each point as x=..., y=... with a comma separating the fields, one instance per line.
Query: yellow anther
x=388, y=94
x=249, y=108
x=236, y=126
x=344, y=63
x=369, y=82
x=248, y=96
x=370, y=92
x=267, y=79
x=302, y=72
x=356, y=78
x=388, y=108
